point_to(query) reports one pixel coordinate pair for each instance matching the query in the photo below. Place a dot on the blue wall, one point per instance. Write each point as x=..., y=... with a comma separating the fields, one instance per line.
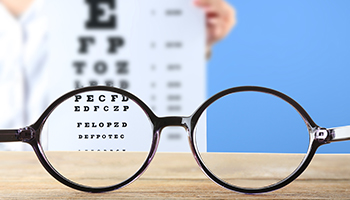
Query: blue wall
x=301, y=48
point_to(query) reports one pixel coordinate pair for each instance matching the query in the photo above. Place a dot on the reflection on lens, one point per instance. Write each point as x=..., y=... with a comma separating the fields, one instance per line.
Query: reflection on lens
x=97, y=138
x=253, y=139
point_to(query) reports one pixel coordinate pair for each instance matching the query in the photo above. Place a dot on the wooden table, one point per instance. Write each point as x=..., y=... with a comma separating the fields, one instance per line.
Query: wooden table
x=171, y=176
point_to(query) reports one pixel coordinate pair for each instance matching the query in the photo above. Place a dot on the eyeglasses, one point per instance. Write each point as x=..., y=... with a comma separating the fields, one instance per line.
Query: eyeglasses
x=85, y=132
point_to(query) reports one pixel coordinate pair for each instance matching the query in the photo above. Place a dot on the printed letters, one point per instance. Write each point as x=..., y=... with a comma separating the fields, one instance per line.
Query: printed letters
x=97, y=12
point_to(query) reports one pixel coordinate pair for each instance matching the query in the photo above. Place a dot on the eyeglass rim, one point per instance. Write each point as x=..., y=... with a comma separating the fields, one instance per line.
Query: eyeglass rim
x=35, y=143
x=313, y=144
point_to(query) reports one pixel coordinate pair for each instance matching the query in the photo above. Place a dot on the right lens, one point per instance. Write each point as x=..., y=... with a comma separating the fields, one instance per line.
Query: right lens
x=254, y=139
x=90, y=132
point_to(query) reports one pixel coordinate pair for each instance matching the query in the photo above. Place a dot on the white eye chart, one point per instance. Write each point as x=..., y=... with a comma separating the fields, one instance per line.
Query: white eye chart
x=154, y=49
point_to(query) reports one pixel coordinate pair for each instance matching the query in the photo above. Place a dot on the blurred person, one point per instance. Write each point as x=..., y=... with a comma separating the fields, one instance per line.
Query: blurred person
x=23, y=77
x=23, y=53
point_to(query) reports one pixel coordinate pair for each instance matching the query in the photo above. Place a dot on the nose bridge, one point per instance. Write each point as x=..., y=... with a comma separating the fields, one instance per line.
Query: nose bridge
x=173, y=121
x=174, y=134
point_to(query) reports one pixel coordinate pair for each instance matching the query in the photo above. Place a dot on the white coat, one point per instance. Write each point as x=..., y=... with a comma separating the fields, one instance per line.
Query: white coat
x=23, y=75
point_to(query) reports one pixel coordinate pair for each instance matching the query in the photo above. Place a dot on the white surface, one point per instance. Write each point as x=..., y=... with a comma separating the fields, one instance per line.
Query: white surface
x=146, y=29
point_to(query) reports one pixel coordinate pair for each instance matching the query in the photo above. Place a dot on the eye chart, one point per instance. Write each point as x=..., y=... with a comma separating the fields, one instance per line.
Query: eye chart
x=154, y=49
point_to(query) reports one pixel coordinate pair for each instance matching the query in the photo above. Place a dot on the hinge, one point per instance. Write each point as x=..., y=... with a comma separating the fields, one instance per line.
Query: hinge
x=323, y=135
x=25, y=134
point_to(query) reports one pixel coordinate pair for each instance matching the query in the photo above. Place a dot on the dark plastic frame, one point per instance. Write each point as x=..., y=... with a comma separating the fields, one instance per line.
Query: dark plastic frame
x=31, y=135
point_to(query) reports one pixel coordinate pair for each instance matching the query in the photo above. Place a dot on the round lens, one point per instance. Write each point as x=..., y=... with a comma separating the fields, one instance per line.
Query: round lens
x=97, y=138
x=254, y=139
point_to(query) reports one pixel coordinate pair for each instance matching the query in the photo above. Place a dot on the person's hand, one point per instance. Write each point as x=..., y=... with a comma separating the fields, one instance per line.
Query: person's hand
x=220, y=19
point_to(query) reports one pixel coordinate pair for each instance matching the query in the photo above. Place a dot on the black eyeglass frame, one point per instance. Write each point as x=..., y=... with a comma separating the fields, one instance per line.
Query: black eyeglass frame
x=318, y=136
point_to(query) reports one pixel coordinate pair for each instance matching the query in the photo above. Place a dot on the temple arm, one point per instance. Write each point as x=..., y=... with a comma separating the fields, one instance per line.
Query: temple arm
x=339, y=133
x=9, y=135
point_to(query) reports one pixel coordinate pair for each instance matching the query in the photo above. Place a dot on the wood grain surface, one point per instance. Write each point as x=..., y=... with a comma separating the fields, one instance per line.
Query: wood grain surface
x=171, y=176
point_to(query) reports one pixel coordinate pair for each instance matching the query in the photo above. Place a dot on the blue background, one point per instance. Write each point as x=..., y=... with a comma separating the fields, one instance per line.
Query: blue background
x=301, y=48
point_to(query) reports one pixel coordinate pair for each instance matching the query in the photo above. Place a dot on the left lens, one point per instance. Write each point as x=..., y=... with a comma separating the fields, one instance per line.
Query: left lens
x=97, y=138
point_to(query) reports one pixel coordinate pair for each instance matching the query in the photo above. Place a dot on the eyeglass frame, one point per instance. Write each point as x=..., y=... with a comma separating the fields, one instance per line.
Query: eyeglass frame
x=317, y=136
